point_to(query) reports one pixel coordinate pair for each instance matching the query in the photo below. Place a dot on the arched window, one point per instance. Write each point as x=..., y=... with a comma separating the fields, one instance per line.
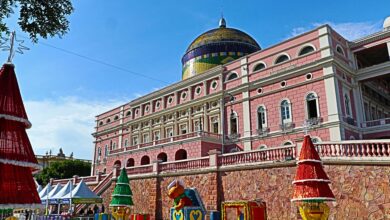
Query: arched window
x=285, y=111
x=181, y=154
x=233, y=123
x=116, y=117
x=100, y=123
x=258, y=67
x=145, y=160
x=312, y=106
x=117, y=163
x=315, y=140
x=282, y=58
x=306, y=50
x=231, y=76
x=108, y=120
x=130, y=162
x=287, y=143
x=128, y=113
x=347, y=103
x=113, y=146
x=163, y=157
x=340, y=50
x=261, y=118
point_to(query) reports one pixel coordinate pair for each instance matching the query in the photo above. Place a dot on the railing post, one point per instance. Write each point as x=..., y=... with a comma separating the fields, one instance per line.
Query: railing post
x=156, y=164
x=115, y=171
x=213, y=156
x=75, y=177
x=99, y=177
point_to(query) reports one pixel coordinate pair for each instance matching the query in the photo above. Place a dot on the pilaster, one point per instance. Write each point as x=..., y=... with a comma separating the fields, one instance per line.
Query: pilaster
x=246, y=114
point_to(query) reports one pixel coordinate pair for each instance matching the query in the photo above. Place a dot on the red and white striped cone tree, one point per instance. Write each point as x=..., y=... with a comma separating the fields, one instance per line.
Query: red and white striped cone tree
x=17, y=159
x=311, y=184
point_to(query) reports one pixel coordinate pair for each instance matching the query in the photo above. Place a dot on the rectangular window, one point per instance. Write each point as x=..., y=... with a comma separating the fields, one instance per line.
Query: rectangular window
x=145, y=138
x=156, y=135
x=135, y=140
x=169, y=132
x=183, y=129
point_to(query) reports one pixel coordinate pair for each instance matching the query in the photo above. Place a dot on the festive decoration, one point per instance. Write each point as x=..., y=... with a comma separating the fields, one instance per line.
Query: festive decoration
x=176, y=192
x=244, y=210
x=121, y=197
x=311, y=184
x=17, y=159
x=187, y=202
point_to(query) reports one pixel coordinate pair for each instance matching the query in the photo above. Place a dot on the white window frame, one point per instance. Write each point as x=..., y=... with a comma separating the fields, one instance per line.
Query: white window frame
x=169, y=132
x=279, y=55
x=181, y=128
x=229, y=74
x=157, y=134
x=317, y=104
x=283, y=121
x=264, y=125
x=303, y=47
x=145, y=138
x=230, y=122
x=134, y=140
x=348, y=109
x=258, y=63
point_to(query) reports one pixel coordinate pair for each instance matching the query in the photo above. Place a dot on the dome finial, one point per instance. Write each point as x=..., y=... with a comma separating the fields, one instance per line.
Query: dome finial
x=386, y=24
x=222, y=22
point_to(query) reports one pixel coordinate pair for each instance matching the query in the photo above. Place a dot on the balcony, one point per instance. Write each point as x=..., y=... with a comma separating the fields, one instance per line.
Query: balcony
x=314, y=122
x=262, y=132
x=233, y=137
x=376, y=123
x=195, y=136
x=287, y=127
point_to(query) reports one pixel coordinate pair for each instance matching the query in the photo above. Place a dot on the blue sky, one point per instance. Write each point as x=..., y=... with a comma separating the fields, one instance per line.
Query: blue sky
x=63, y=92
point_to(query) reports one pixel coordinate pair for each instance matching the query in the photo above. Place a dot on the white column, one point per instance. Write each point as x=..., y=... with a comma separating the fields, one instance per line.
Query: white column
x=388, y=48
x=333, y=102
x=246, y=116
x=121, y=114
x=325, y=41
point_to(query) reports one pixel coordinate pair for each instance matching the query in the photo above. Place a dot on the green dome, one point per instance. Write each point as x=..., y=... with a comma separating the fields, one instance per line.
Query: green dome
x=215, y=47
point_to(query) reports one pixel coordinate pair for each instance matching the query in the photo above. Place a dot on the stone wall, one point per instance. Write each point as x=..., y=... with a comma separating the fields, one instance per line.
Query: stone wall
x=362, y=191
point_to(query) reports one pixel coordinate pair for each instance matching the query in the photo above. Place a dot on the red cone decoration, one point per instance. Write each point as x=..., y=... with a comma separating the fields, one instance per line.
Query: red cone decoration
x=17, y=159
x=311, y=182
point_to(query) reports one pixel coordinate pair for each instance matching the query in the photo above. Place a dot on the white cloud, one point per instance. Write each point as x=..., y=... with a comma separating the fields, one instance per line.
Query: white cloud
x=67, y=122
x=349, y=30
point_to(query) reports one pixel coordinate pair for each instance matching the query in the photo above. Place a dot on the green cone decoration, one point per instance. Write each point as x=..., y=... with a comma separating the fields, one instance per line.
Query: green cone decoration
x=122, y=195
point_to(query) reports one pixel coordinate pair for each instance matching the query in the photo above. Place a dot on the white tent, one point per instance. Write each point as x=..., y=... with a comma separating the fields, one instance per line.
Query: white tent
x=54, y=191
x=61, y=193
x=82, y=195
x=45, y=191
x=39, y=188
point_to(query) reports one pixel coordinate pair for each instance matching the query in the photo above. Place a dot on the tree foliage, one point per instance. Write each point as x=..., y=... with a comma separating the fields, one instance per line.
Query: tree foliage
x=63, y=169
x=37, y=17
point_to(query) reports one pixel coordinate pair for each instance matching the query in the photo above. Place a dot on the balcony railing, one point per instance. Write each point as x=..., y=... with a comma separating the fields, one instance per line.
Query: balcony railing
x=374, y=123
x=191, y=164
x=139, y=169
x=262, y=131
x=287, y=127
x=269, y=154
x=356, y=148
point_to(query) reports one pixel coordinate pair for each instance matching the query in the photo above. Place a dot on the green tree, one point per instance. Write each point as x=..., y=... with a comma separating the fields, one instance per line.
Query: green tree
x=37, y=17
x=63, y=169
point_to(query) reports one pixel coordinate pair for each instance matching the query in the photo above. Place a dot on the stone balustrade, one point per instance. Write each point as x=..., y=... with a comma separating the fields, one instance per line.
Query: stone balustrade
x=355, y=149
x=374, y=123
x=196, y=163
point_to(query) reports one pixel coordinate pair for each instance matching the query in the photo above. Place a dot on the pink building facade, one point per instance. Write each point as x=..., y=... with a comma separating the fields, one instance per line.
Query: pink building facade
x=317, y=82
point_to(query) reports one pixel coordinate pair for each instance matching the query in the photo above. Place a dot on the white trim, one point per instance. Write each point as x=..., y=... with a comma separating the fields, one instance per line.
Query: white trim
x=122, y=205
x=309, y=160
x=303, y=47
x=308, y=74
x=21, y=163
x=121, y=195
x=229, y=127
x=314, y=198
x=256, y=64
x=280, y=55
x=18, y=119
x=123, y=184
x=311, y=180
x=196, y=88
